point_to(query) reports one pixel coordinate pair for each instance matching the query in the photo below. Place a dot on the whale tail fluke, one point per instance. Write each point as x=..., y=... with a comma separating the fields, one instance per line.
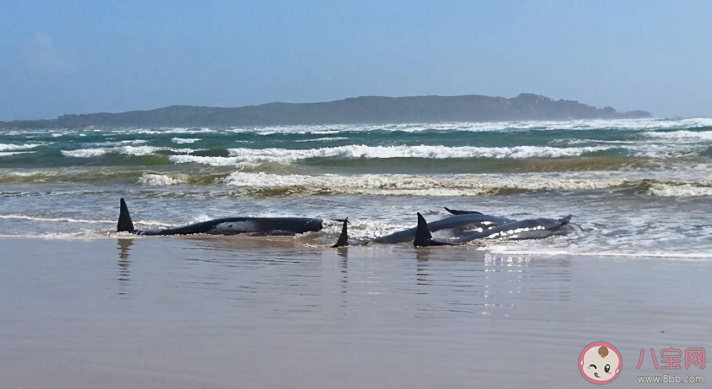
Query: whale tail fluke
x=423, y=237
x=460, y=212
x=125, y=224
x=344, y=237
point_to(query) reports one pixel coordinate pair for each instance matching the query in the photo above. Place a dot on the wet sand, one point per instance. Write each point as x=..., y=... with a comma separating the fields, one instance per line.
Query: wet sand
x=248, y=313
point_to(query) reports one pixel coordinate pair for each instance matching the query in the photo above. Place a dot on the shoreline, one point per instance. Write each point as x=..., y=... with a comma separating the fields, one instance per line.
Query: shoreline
x=492, y=248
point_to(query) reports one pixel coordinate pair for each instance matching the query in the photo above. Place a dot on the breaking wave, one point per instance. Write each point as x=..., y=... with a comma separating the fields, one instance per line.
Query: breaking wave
x=683, y=135
x=321, y=139
x=246, y=155
x=504, y=126
x=263, y=184
x=267, y=185
x=9, y=153
x=126, y=150
x=181, y=141
x=84, y=153
x=676, y=189
x=151, y=179
x=26, y=146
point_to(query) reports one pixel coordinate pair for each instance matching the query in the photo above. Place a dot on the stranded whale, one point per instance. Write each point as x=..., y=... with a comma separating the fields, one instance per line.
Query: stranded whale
x=523, y=229
x=562, y=230
x=228, y=225
x=452, y=226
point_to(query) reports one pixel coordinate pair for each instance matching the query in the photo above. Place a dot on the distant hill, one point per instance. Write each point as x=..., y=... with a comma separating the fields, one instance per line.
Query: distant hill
x=369, y=109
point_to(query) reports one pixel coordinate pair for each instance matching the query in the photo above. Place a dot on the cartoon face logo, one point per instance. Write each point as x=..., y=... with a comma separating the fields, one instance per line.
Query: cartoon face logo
x=600, y=363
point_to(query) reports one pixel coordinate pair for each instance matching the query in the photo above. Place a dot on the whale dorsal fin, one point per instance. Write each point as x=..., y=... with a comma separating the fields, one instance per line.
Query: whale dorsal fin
x=344, y=237
x=461, y=212
x=565, y=220
x=423, y=237
x=125, y=224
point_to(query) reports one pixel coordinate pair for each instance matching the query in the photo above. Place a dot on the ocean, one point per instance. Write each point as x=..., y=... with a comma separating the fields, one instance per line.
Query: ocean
x=638, y=187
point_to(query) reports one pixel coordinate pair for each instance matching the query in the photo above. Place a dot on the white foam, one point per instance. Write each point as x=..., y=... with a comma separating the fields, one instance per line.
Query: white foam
x=73, y=220
x=177, y=130
x=401, y=184
x=55, y=219
x=433, y=152
x=683, y=135
x=151, y=179
x=139, y=150
x=669, y=150
x=181, y=141
x=84, y=153
x=322, y=139
x=212, y=161
x=12, y=147
x=674, y=180
x=503, y=126
x=680, y=189
x=504, y=249
x=126, y=150
x=9, y=153
x=24, y=174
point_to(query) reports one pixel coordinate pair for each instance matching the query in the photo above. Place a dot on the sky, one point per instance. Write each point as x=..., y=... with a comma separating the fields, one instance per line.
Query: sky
x=74, y=56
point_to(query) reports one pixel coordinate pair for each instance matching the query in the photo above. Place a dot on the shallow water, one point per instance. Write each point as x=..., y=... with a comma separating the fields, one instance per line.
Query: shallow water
x=236, y=312
x=615, y=222
x=637, y=187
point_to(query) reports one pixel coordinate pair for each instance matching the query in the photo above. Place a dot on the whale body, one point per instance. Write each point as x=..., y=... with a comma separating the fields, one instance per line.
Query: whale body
x=228, y=225
x=456, y=225
x=524, y=229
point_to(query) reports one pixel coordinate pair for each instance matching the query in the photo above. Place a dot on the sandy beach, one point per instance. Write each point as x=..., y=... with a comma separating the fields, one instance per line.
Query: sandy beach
x=241, y=313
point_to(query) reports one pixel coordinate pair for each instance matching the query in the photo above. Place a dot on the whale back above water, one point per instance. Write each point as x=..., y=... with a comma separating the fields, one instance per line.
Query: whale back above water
x=524, y=229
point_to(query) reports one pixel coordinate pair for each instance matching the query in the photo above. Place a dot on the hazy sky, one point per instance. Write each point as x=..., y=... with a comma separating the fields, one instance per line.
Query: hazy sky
x=97, y=55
